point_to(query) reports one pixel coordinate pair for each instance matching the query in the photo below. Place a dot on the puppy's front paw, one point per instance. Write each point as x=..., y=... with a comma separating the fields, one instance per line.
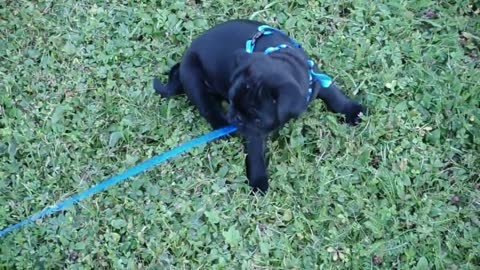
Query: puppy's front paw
x=353, y=115
x=259, y=185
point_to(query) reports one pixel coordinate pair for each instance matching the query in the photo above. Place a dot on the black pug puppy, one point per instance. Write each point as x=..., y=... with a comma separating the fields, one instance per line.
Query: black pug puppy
x=263, y=74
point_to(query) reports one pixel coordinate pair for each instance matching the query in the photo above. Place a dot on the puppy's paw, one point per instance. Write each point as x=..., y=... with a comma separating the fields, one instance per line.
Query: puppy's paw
x=259, y=186
x=160, y=88
x=166, y=90
x=354, y=114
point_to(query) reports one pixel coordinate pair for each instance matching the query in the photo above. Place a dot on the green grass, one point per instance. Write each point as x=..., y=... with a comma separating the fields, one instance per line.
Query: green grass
x=400, y=191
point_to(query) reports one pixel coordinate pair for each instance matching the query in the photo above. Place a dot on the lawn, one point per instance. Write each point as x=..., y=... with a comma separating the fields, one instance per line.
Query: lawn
x=399, y=191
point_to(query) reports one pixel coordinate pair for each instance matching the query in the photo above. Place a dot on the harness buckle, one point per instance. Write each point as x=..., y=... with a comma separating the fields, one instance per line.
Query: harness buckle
x=257, y=36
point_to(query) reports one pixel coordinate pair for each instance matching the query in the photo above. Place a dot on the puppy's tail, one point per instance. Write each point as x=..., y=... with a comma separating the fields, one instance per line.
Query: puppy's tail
x=173, y=87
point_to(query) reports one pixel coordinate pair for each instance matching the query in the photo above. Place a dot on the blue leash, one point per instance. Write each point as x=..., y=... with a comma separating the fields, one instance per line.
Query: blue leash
x=122, y=176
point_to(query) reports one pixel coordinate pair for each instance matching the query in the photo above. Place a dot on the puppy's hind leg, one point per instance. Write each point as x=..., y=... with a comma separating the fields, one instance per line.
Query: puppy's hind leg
x=173, y=87
x=192, y=77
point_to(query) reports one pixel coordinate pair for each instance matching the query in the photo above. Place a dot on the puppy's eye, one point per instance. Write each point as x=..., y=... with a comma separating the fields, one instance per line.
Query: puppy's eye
x=274, y=101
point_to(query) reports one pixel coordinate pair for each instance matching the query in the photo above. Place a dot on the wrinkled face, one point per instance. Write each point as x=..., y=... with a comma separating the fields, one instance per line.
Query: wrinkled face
x=262, y=97
x=254, y=111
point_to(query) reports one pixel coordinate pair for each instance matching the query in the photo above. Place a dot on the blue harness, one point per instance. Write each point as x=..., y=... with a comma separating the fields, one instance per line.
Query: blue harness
x=265, y=30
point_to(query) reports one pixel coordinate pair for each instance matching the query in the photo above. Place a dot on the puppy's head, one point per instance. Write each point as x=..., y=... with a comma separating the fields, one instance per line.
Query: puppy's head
x=263, y=95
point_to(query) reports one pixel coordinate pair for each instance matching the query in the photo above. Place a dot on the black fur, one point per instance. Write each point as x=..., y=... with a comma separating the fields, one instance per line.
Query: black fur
x=263, y=91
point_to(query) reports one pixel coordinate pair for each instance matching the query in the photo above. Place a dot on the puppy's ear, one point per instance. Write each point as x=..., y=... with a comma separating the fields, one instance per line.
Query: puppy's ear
x=236, y=84
x=242, y=58
x=242, y=62
x=290, y=102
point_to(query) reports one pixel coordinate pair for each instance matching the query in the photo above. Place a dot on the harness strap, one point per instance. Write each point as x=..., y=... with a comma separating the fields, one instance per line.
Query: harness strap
x=265, y=30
